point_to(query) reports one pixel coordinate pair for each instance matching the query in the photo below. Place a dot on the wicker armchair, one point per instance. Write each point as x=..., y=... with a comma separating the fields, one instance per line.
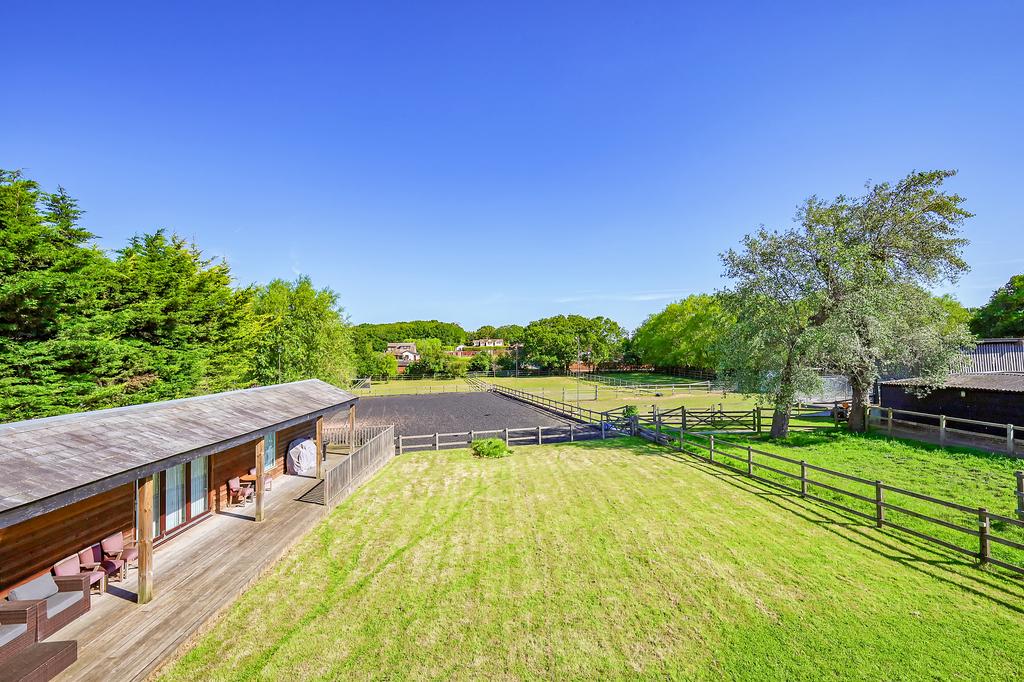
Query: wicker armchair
x=54, y=599
x=17, y=628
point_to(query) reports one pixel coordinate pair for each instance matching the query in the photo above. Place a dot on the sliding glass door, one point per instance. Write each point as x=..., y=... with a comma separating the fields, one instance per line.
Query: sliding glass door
x=174, y=497
x=269, y=451
x=180, y=495
x=197, y=490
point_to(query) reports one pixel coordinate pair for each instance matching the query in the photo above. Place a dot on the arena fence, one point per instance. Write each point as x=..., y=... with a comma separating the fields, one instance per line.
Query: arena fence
x=532, y=435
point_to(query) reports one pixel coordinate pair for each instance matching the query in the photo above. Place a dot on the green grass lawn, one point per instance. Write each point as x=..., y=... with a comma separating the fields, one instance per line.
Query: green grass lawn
x=970, y=477
x=415, y=386
x=649, y=377
x=609, y=397
x=607, y=559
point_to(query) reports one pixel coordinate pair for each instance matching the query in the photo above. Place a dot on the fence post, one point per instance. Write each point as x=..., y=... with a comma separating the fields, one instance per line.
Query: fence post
x=506, y=435
x=879, y=504
x=437, y=441
x=758, y=419
x=750, y=461
x=942, y=429
x=595, y=391
x=472, y=437
x=1009, y=439
x=803, y=478
x=1020, y=493
x=682, y=421
x=983, y=529
x=400, y=451
x=572, y=433
x=563, y=394
x=835, y=413
x=711, y=448
x=888, y=421
x=603, y=419
x=540, y=436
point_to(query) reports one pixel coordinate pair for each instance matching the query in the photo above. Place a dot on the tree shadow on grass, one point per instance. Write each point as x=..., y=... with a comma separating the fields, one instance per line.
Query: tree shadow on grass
x=913, y=553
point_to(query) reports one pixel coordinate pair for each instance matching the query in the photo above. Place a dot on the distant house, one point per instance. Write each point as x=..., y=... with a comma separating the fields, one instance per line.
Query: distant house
x=488, y=343
x=405, y=353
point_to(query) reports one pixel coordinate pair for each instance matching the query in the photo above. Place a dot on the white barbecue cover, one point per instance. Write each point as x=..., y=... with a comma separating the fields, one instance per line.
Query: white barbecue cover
x=302, y=457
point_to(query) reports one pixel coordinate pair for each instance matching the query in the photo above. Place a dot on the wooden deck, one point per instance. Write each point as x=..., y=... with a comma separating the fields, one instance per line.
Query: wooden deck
x=197, y=574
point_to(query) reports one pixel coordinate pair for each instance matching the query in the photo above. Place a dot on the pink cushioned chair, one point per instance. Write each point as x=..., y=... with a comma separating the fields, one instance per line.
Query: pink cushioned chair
x=92, y=559
x=115, y=547
x=237, y=492
x=73, y=566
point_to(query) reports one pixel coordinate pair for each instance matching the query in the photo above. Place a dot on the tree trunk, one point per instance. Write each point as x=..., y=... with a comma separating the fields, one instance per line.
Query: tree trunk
x=861, y=398
x=780, y=421
x=784, y=399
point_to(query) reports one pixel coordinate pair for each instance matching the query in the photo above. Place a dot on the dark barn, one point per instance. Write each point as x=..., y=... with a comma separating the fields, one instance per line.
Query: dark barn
x=995, y=397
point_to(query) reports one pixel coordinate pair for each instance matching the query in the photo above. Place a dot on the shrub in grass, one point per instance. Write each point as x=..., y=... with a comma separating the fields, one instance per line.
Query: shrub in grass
x=630, y=411
x=491, y=447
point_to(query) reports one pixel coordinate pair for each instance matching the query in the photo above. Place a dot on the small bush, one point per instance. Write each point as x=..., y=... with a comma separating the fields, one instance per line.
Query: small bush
x=630, y=411
x=491, y=447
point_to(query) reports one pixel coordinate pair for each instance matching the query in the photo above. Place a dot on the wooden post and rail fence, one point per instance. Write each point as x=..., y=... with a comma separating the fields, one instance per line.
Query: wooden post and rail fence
x=872, y=502
x=885, y=506
x=1001, y=436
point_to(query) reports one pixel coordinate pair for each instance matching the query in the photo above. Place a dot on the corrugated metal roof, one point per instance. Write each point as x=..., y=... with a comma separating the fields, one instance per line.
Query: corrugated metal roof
x=42, y=458
x=996, y=381
x=996, y=355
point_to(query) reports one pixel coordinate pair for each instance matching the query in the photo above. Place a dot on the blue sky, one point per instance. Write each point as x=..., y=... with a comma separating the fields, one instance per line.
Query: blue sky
x=499, y=162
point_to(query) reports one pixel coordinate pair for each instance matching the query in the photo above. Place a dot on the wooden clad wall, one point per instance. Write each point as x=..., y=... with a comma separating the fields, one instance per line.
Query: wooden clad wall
x=32, y=547
x=286, y=436
x=228, y=464
x=238, y=460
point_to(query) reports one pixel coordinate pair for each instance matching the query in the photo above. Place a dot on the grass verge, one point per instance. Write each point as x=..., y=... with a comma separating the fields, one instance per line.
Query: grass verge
x=605, y=559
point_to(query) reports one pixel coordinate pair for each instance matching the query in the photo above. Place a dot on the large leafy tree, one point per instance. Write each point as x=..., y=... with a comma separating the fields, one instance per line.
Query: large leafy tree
x=556, y=342
x=50, y=277
x=869, y=257
x=769, y=350
x=175, y=325
x=686, y=333
x=510, y=333
x=303, y=335
x=83, y=329
x=1003, y=315
x=845, y=291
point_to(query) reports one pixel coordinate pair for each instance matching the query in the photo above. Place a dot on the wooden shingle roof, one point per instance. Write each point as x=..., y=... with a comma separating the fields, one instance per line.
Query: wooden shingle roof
x=48, y=463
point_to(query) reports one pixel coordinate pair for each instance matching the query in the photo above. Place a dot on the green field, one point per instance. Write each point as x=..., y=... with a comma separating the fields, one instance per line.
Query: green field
x=609, y=397
x=413, y=386
x=966, y=476
x=608, y=559
x=648, y=377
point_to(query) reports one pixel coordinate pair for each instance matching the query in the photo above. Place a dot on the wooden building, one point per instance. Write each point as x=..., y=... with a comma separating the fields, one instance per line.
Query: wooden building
x=995, y=355
x=996, y=397
x=149, y=471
